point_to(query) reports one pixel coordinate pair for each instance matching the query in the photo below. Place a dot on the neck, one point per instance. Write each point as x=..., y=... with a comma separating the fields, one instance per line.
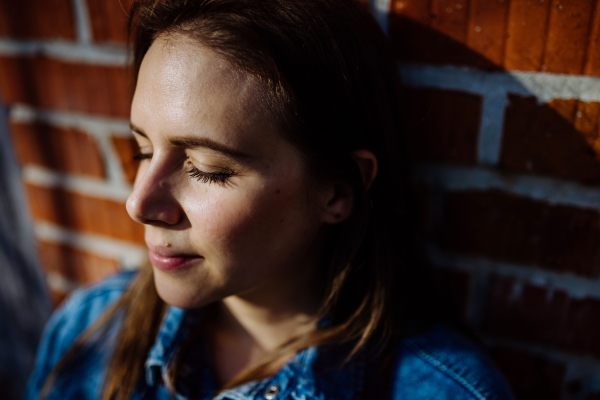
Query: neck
x=281, y=308
x=262, y=327
x=243, y=332
x=248, y=326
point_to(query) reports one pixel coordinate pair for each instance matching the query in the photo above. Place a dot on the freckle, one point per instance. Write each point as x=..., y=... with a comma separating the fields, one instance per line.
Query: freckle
x=277, y=191
x=281, y=220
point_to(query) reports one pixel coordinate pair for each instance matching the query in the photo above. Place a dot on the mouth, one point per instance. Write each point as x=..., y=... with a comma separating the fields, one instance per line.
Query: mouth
x=167, y=260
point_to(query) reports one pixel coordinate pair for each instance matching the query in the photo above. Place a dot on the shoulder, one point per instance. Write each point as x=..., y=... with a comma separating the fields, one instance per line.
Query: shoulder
x=442, y=364
x=81, y=309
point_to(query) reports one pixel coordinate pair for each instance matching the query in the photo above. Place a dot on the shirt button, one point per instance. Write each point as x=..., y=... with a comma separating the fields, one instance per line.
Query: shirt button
x=271, y=392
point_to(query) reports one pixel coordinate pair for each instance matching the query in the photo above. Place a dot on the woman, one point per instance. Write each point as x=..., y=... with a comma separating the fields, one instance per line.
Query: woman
x=273, y=190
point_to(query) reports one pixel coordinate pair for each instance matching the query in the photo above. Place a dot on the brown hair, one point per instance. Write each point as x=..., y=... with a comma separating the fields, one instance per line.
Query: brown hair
x=334, y=89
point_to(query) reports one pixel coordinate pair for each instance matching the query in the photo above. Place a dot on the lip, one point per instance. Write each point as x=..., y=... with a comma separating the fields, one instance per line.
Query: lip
x=168, y=260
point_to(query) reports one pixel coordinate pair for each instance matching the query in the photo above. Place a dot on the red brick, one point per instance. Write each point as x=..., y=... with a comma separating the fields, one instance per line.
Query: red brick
x=487, y=28
x=419, y=11
x=451, y=18
x=83, y=213
x=454, y=286
x=530, y=376
x=109, y=19
x=530, y=35
x=567, y=41
x=121, y=91
x=74, y=264
x=560, y=138
x=542, y=316
x=443, y=125
x=127, y=148
x=574, y=387
x=593, y=396
x=62, y=149
x=521, y=230
x=425, y=32
x=30, y=19
x=57, y=296
x=592, y=64
x=48, y=83
x=527, y=27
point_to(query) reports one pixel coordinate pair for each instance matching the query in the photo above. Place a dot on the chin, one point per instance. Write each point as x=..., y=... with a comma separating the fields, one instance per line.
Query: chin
x=181, y=292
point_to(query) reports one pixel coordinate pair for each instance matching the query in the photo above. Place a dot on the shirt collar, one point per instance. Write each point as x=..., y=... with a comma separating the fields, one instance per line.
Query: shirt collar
x=313, y=373
x=175, y=325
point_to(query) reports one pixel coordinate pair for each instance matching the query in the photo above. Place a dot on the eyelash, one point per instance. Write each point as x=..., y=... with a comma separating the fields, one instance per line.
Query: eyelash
x=142, y=156
x=209, y=177
x=193, y=172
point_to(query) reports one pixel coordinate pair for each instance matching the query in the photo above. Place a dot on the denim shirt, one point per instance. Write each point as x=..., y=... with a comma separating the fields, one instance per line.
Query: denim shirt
x=438, y=364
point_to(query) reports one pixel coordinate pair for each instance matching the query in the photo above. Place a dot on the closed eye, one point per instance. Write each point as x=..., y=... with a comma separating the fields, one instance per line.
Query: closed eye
x=210, y=177
x=142, y=156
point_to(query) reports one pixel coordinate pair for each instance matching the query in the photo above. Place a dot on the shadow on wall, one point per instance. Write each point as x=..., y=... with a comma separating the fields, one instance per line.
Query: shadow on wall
x=567, y=128
x=508, y=171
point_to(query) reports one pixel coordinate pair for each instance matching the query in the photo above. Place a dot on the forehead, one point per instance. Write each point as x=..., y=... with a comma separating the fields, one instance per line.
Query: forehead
x=185, y=86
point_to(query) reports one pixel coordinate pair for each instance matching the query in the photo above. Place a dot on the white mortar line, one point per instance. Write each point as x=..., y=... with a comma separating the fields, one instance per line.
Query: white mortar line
x=112, y=162
x=445, y=77
x=129, y=256
x=479, y=287
x=545, y=86
x=491, y=126
x=83, y=185
x=110, y=55
x=82, y=21
x=60, y=283
x=381, y=9
x=106, y=126
x=551, y=190
x=577, y=287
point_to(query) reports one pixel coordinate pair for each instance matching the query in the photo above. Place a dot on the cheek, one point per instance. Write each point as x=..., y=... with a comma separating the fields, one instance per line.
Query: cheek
x=213, y=211
x=241, y=218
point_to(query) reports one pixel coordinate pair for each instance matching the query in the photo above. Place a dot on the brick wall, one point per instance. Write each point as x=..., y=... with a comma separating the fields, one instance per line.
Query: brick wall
x=63, y=76
x=503, y=116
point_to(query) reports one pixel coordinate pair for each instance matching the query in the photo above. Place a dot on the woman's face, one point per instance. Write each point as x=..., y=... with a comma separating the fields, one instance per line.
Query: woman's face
x=223, y=196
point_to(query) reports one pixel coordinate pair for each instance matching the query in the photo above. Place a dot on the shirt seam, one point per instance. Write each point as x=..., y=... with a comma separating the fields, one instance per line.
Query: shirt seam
x=470, y=387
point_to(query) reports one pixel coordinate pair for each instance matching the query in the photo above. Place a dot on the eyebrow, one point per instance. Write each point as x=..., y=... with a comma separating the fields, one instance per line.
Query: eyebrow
x=197, y=142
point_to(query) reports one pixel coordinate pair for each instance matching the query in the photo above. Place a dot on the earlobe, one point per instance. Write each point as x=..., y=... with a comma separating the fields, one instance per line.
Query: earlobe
x=339, y=207
x=341, y=197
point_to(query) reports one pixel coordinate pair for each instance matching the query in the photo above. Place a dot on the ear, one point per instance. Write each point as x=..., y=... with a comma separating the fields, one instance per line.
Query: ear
x=367, y=163
x=338, y=204
x=340, y=198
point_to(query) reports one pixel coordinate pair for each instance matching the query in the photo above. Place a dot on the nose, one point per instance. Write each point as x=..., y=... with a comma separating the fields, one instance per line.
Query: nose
x=152, y=201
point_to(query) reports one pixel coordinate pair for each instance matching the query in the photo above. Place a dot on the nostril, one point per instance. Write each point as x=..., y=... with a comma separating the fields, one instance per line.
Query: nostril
x=154, y=214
